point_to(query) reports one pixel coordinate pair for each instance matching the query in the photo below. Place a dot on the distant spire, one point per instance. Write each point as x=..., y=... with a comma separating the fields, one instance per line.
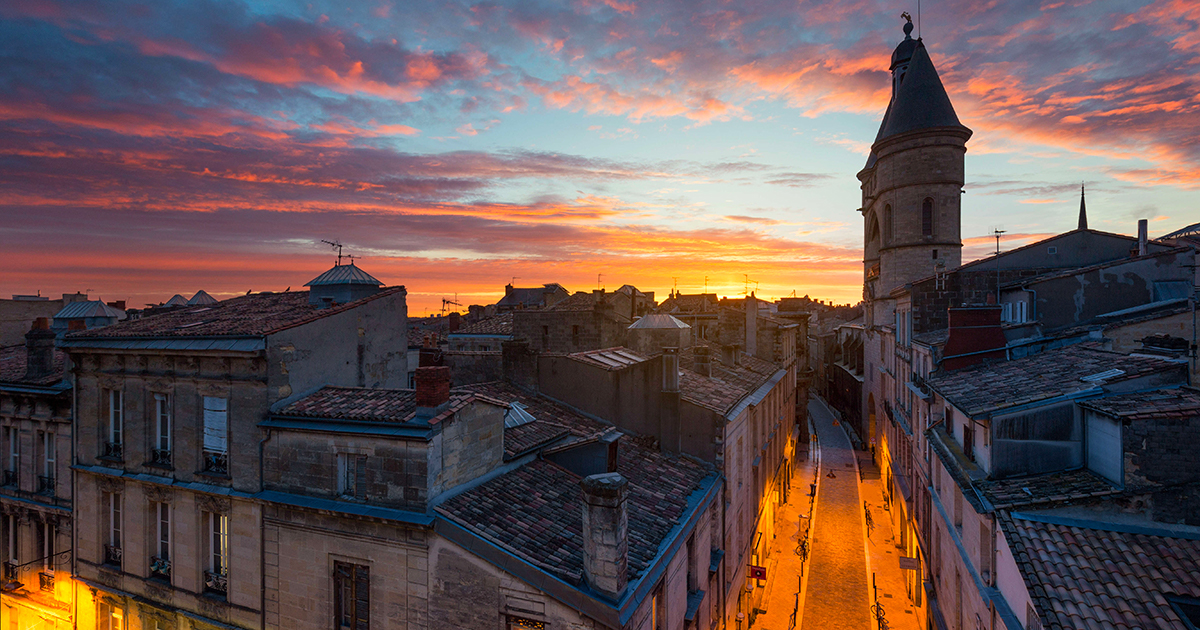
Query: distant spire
x=1082, y=210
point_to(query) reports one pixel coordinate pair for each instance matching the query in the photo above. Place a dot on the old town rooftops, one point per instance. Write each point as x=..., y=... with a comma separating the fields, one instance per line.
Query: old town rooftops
x=13, y=364
x=1049, y=488
x=552, y=421
x=251, y=315
x=1083, y=575
x=500, y=325
x=1183, y=402
x=728, y=385
x=364, y=404
x=990, y=387
x=533, y=512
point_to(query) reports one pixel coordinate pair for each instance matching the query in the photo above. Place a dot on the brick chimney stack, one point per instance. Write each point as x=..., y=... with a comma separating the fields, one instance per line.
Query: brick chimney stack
x=606, y=534
x=433, y=390
x=751, y=324
x=1143, y=236
x=975, y=335
x=39, y=350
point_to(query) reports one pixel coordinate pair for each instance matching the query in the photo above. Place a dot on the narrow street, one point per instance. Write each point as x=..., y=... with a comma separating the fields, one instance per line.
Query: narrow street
x=837, y=593
x=836, y=588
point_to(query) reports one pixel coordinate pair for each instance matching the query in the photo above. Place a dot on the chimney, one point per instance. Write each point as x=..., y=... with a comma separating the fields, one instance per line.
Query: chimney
x=729, y=355
x=606, y=534
x=455, y=321
x=39, y=350
x=433, y=390
x=975, y=335
x=703, y=360
x=1142, y=236
x=670, y=359
x=751, y=324
x=118, y=304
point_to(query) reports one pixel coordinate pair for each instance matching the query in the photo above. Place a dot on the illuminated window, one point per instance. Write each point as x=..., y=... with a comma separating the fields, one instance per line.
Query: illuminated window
x=109, y=617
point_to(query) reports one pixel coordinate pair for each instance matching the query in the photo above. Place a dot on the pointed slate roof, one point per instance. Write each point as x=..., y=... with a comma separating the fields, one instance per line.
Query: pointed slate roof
x=201, y=298
x=921, y=101
x=90, y=308
x=658, y=320
x=1082, y=211
x=344, y=274
x=176, y=300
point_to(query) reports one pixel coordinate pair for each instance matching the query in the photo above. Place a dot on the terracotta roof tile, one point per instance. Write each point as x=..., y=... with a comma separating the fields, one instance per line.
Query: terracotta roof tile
x=990, y=386
x=727, y=385
x=1183, y=402
x=535, y=511
x=1082, y=578
x=248, y=315
x=13, y=364
x=1055, y=487
x=358, y=403
x=553, y=420
x=501, y=324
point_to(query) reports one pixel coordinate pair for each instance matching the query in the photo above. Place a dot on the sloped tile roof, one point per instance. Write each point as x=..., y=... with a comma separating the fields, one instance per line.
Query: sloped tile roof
x=1183, y=402
x=992, y=386
x=610, y=358
x=697, y=303
x=88, y=308
x=501, y=324
x=552, y=420
x=360, y=403
x=727, y=385
x=658, y=321
x=248, y=315
x=1055, y=487
x=535, y=511
x=13, y=364
x=580, y=301
x=1082, y=578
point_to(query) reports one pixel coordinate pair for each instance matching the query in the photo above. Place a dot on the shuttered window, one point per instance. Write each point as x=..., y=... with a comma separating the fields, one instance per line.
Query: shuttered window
x=352, y=596
x=216, y=425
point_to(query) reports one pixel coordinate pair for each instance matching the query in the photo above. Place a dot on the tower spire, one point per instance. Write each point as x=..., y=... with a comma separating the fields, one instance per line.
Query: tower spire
x=1082, y=210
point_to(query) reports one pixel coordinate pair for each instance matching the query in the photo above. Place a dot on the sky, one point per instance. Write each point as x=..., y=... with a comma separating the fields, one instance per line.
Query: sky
x=154, y=148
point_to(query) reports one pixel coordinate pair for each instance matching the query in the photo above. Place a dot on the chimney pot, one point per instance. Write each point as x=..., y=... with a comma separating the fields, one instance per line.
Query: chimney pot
x=1143, y=237
x=606, y=534
x=702, y=363
x=39, y=350
x=432, y=389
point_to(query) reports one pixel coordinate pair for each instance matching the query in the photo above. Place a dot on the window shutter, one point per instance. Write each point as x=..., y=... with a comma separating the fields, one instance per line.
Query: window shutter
x=360, y=477
x=215, y=424
x=362, y=597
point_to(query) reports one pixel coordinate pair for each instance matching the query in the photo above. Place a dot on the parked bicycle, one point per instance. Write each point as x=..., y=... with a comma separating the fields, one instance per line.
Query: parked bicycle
x=880, y=619
x=870, y=523
x=802, y=550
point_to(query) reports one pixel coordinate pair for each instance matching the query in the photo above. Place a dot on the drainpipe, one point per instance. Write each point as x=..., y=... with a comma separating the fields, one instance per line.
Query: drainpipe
x=262, y=551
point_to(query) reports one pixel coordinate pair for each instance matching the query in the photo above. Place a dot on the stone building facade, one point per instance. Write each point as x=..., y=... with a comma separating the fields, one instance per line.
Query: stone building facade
x=167, y=455
x=35, y=498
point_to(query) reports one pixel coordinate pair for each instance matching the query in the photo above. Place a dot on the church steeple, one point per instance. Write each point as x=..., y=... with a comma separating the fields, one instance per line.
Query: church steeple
x=1082, y=210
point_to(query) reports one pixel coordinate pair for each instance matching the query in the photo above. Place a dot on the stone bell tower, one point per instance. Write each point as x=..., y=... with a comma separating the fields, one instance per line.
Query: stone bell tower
x=912, y=182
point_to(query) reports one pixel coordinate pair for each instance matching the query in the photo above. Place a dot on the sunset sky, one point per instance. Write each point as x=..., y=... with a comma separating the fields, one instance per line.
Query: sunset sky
x=154, y=148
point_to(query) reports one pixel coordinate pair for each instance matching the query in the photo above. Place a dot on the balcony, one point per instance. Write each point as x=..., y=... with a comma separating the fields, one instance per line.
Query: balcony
x=216, y=463
x=160, y=567
x=46, y=484
x=10, y=582
x=216, y=582
x=114, y=450
x=10, y=478
x=46, y=581
x=161, y=457
x=112, y=555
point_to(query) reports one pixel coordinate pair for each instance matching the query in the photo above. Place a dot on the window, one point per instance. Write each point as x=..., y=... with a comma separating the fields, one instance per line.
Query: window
x=116, y=424
x=656, y=611
x=216, y=578
x=887, y=225
x=1032, y=621
x=352, y=596
x=10, y=538
x=47, y=448
x=927, y=217
x=216, y=431
x=352, y=475
x=1022, y=312
x=969, y=440
x=13, y=438
x=109, y=617
x=160, y=560
x=111, y=502
x=575, y=336
x=46, y=533
x=985, y=550
x=160, y=452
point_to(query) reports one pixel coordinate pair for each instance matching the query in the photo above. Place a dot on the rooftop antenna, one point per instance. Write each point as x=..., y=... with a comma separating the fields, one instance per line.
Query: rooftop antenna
x=598, y=285
x=675, y=279
x=338, y=246
x=514, y=280
x=706, y=284
x=918, y=19
x=997, y=232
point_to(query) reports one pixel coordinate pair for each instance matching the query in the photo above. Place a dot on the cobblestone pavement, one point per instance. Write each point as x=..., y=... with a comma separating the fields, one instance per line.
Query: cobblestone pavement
x=899, y=608
x=836, y=595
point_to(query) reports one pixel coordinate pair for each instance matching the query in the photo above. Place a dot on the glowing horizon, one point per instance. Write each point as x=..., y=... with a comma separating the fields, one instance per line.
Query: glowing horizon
x=155, y=150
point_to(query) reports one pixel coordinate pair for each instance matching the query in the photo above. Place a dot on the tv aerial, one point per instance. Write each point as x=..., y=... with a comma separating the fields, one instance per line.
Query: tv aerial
x=338, y=246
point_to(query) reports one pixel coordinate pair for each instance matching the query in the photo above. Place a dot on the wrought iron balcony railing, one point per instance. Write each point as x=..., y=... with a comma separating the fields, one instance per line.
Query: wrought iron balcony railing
x=216, y=582
x=10, y=478
x=46, y=581
x=160, y=567
x=46, y=484
x=114, y=450
x=216, y=462
x=112, y=555
x=161, y=456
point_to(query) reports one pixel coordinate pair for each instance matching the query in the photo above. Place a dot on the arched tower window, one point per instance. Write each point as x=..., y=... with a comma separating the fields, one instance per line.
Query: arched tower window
x=887, y=224
x=927, y=217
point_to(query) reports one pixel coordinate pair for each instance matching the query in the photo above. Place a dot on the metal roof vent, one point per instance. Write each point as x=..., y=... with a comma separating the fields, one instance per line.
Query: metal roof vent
x=1100, y=377
x=516, y=416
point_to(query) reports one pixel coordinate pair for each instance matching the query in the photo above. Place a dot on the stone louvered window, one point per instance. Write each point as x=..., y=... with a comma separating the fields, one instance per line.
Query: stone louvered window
x=352, y=596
